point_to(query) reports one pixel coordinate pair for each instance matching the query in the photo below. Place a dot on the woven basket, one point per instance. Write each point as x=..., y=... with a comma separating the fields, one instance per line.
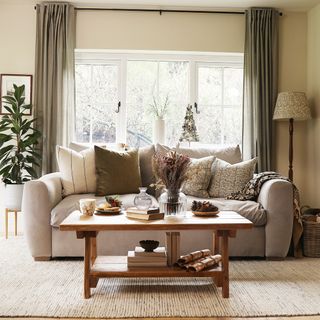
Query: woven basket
x=311, y=239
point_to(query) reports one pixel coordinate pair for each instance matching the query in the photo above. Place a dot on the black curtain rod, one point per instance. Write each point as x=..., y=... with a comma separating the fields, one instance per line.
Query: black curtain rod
x=160, y=10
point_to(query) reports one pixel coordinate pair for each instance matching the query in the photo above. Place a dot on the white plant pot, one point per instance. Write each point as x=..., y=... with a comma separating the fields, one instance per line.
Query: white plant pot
x=13, y=196
x=159, y=131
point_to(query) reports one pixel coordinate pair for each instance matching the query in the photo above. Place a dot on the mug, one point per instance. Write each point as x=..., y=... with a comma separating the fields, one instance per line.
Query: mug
x=87, y=206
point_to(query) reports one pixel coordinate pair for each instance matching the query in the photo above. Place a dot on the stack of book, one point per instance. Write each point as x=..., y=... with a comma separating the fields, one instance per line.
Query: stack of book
x=150, y=214
x=140, y=258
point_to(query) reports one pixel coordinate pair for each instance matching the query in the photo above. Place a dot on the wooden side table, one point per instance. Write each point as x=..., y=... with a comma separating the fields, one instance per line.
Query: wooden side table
x=15, y=220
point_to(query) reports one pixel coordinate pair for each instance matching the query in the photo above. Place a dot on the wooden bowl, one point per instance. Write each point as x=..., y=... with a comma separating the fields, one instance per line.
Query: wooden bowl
x=205, y=214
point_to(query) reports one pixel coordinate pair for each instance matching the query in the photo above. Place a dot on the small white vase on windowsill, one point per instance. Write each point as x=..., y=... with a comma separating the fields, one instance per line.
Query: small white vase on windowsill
x=159, y=131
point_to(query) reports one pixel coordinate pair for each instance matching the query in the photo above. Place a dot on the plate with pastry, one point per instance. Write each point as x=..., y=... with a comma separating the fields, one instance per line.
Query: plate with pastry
x=108, y=211
x=112, y=206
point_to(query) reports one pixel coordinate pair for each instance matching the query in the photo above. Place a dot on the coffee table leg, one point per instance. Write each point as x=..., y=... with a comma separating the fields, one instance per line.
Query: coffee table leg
x=216, y=250
x=93, y=280
x=225, y=264
x=215, y=242
x=87, y=266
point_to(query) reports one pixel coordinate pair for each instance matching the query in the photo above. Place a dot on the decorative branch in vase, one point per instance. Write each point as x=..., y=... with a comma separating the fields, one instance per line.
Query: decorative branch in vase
x=170, y=171
x=159, y=109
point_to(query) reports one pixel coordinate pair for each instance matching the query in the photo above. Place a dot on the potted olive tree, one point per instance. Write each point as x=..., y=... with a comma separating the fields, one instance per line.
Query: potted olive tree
x=18, y=155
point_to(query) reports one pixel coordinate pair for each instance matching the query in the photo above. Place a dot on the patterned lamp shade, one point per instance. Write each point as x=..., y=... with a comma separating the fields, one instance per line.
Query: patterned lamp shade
x=292, y=105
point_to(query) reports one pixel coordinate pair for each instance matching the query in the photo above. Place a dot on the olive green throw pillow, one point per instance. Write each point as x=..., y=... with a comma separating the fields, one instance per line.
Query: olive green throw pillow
x=117, y=172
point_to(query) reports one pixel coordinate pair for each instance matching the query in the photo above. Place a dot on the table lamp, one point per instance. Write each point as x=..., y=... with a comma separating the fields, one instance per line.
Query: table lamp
x=291, y=106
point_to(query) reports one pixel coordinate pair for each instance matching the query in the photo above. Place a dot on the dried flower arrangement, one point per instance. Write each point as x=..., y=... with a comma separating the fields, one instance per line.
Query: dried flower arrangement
x=170, y=170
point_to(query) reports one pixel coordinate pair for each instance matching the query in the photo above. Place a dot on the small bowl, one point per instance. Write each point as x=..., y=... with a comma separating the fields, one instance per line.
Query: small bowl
x=149, y=245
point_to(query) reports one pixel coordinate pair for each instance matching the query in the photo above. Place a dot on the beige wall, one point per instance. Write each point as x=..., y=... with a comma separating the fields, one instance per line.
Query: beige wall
x=190, y=32
x=313, y=155
x=17, y=34
x=150, y=31
x=293, y=77
x=17, y=48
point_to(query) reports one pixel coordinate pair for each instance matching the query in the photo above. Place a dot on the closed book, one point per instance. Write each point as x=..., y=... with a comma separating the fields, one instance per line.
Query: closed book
x=148, y=211
x=151, y=216
x=158, y=252
x=143, y=259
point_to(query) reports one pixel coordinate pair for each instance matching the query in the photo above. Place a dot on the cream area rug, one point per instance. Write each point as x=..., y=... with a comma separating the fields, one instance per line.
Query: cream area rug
x=54, y=289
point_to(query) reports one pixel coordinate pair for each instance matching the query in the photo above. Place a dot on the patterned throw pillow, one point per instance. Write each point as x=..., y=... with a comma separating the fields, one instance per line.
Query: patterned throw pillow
x=228, y=178
x=198, y=177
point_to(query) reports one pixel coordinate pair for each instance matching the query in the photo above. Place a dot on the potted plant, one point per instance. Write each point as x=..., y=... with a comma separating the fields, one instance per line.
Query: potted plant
x=18, y=155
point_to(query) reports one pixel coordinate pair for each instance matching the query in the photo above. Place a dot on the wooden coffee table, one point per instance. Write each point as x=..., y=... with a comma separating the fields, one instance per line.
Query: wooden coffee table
x=225, y=225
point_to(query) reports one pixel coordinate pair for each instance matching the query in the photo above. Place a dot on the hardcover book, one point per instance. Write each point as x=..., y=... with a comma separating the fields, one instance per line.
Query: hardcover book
x=150, y=210
x=158, y=252
x=143, y=216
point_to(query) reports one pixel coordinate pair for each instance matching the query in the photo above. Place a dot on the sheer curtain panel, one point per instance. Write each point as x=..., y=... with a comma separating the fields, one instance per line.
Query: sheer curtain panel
x=260, y=84
x=54, y=78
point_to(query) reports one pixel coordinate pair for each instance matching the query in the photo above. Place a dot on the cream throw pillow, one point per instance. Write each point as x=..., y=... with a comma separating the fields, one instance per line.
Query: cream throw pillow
x=77, y=170
x=198, y=177
x=228, y=178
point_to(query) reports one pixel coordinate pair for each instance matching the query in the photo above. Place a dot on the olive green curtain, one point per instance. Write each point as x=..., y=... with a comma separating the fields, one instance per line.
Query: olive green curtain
x=54, y=78
x=260, y=85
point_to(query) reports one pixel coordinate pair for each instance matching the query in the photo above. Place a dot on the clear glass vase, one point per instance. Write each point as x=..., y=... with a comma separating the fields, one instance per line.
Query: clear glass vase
x=173, y=203
x=143, y=201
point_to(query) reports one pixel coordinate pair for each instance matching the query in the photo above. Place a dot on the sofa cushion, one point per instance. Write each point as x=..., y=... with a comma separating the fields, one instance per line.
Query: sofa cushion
x=117, y=172
x=145, y=161
x=77, y=170
x=198, y=177
x=78, y=146
x=229, y=154
x=251, y=210
x=71, y=203
x=228, y=178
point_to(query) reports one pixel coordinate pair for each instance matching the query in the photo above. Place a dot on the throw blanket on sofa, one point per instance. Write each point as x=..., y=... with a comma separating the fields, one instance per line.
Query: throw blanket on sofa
x=251, y=192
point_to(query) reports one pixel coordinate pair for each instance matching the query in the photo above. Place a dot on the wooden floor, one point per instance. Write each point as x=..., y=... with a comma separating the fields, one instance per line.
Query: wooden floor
x=217, y=318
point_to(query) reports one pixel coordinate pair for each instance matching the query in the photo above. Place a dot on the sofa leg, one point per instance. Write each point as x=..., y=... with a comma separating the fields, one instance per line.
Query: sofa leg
x=42, y=258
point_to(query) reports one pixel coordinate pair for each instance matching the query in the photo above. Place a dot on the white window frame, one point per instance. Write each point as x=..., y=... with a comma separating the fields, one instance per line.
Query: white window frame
x=121, y=57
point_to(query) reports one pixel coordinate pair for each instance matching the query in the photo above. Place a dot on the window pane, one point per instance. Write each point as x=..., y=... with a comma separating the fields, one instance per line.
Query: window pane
x=220, y=97
x=210, y=85
x=141, y=85
x=155, y=88
x=232, y=125
x=96, y=101
x=233, y=78
x=209, y=124
x=174, y=85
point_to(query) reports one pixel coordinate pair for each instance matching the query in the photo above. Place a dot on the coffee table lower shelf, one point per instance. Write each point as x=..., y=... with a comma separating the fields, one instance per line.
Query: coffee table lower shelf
x=116, y=266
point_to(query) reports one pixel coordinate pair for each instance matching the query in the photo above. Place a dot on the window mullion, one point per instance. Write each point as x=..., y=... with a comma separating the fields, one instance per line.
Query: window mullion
x=122, y=115
x=222, y=107
x=193, y=82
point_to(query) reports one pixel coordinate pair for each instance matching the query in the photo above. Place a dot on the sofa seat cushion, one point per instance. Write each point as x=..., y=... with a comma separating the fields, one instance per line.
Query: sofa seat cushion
x=251, y=210
x=71, y=203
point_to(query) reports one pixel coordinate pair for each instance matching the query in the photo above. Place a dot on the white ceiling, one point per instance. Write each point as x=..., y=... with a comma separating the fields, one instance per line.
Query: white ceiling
x=290, y=5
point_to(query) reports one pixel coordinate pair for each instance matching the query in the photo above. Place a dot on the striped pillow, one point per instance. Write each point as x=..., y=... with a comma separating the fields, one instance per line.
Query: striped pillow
x=77, y=170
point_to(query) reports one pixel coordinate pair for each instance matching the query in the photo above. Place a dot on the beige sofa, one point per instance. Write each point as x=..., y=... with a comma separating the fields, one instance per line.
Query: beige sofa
x=44, y=208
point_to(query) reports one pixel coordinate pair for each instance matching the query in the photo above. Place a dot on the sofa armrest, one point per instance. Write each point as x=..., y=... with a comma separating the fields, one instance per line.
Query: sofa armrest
x=276, y=196
x=39, y=197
